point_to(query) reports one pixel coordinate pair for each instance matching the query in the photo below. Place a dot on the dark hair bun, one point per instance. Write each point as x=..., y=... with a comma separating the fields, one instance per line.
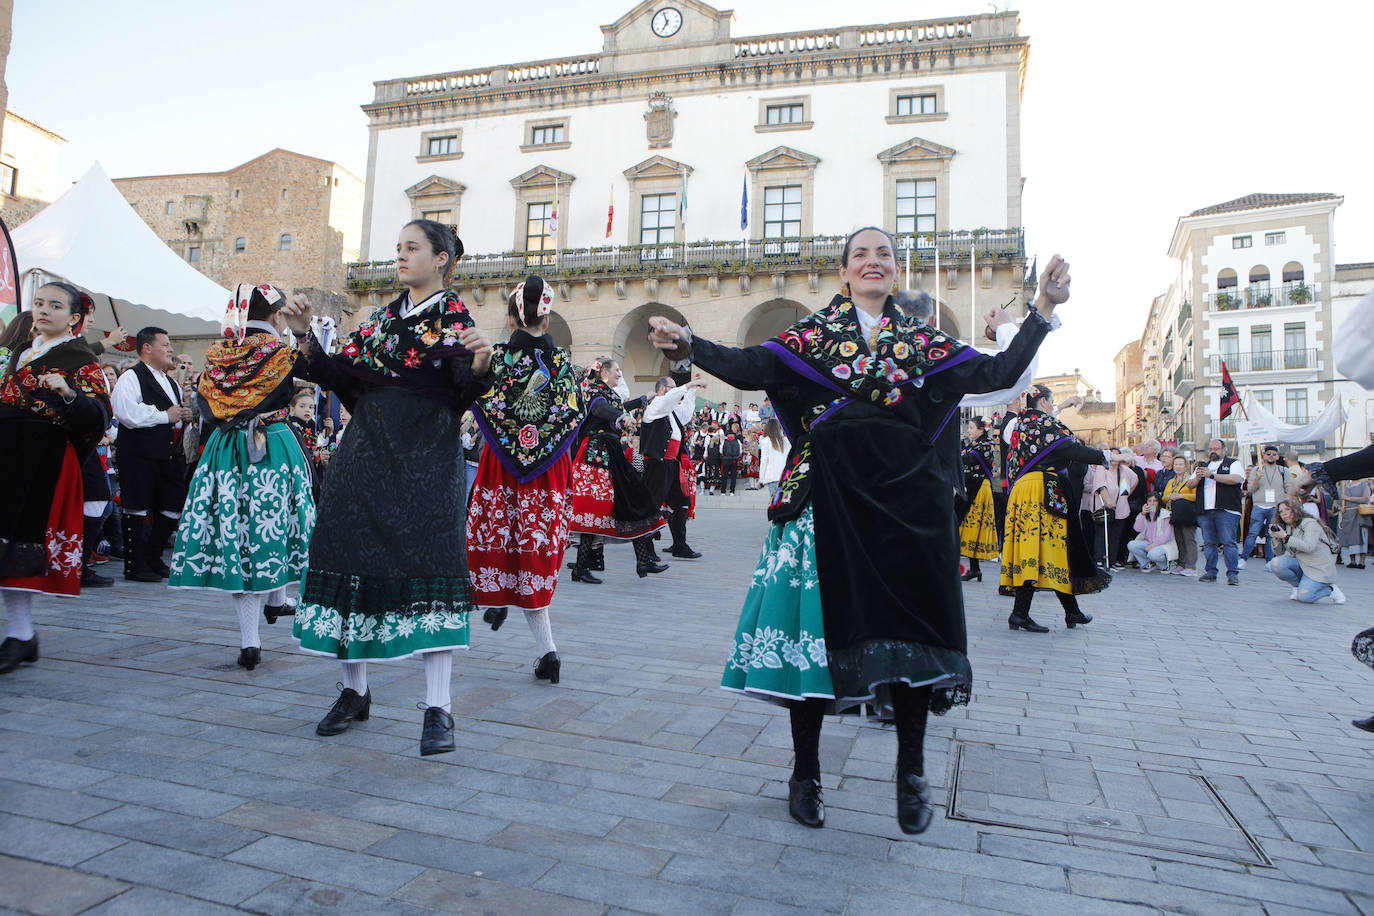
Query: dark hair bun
x=457, y=243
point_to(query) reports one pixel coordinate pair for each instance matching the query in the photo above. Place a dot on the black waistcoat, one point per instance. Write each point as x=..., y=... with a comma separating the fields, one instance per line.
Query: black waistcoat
x=153, y=442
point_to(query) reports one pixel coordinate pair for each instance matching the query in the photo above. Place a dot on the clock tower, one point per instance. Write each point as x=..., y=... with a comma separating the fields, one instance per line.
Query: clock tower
x=666, y=33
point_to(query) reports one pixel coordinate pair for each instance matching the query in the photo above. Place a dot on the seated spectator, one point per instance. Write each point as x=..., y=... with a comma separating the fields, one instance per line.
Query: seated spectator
x=1307, y=559
x=1153, y=547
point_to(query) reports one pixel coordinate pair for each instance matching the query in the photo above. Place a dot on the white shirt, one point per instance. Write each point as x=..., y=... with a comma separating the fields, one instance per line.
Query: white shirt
x=39, y=347
x=1209, y=488
x=672, y=401
x=411, y=308
x=127, y=400
x=1005, y=333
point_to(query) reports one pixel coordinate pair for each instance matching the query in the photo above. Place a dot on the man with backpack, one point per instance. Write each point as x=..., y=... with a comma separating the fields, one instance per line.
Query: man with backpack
x=731, y=448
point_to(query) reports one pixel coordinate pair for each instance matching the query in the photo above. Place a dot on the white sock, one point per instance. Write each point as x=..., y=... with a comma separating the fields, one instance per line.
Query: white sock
x=275, y=597
x=355, y=677
x=249, y=608
x=438, y=674
x=20, y=606
x=541, y=631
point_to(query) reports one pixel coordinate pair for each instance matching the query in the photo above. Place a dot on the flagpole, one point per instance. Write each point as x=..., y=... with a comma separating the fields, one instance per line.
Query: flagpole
x=937, y=281
x=908, y=265
x=972, y=291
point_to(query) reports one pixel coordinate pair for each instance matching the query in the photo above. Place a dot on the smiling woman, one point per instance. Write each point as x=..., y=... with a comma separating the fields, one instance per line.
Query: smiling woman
x=843, y=608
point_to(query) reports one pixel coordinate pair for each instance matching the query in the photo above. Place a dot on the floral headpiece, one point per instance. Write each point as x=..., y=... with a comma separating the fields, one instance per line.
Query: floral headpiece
x=534, y=285
x=235, y=321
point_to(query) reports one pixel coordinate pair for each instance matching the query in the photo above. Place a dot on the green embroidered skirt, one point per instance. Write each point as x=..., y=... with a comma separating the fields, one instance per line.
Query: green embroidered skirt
x=779, y=651
x=246, y=526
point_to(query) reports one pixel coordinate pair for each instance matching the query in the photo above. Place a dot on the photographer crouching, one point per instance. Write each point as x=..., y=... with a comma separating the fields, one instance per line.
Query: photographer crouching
x=1307, y=554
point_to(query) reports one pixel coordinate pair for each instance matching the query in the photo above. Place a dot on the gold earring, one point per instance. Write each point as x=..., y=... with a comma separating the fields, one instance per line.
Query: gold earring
x=844, y=290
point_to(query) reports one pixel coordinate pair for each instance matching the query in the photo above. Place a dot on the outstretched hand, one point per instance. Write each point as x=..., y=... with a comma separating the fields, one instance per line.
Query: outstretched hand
x=673, y=339
x=297, y=314
x=477, y=342
x=1054, y=286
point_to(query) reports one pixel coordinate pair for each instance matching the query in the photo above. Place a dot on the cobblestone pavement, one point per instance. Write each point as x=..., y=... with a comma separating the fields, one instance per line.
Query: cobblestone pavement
x=1188, y=752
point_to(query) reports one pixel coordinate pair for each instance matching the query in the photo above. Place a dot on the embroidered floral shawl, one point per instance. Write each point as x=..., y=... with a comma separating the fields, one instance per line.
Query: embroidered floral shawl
x=394, y=347
x=1036, y=435
x=595, y=388
x=532, y=412
x=240, y=376
x=829, y=349
x=982, y=452
x=76, y=363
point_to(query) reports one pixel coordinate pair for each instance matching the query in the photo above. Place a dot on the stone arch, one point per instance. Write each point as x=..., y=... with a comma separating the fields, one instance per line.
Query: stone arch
x=638, y=359
x=767, y=320
x=559, y=330
x=949, y=323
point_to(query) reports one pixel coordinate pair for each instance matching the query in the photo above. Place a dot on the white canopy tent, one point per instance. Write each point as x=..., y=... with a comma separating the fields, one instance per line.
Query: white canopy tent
x=92, y=238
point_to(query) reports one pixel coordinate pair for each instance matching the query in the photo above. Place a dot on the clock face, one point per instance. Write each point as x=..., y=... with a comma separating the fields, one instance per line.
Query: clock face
x=666, y=22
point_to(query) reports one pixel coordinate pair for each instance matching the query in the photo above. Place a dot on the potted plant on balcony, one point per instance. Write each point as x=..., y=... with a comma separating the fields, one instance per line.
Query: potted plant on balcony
x=1225, y=301
x=1262, y=300
x=1301, y=294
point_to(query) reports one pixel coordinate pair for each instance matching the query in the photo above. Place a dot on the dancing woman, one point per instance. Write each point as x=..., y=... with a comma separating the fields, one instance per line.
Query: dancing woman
x=1044, y=546
x=978, y=527
x=250, y=512
x=609, y=497
x=832, y=619
x=388, y=574
x=519, y=509
x=54, y=408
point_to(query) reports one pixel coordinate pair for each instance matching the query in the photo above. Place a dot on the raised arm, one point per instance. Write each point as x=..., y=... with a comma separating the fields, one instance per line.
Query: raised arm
x=747, y=368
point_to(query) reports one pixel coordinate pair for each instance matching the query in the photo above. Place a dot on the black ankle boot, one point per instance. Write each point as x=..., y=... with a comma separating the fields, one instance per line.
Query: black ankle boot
x=972, y=574
x=804, y=802
x=347, y=709
x=1366, y=724
x=546, y=668
x=437, y=735
x=497, y=616
x=913, y=803
x=1074, y=617
x=135, y=570
x=1024, y=622
x=16, y=652
x=275, y=611
x=582, y=566
x=249, y=657
x=644, y=557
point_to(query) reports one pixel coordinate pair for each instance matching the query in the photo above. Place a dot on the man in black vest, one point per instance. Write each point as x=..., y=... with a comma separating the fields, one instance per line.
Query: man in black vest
x=1219, y=506
x=152, y=475
x=662, y=436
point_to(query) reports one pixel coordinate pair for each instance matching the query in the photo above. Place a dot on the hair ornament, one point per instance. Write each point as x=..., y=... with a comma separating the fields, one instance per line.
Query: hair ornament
x=235, y=321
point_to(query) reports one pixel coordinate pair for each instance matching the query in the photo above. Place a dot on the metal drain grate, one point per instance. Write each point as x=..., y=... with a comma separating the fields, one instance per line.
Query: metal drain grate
x=1066, y=794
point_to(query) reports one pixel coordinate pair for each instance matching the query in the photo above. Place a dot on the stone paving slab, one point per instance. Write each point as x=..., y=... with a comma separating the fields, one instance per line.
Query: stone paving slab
x=142, y=772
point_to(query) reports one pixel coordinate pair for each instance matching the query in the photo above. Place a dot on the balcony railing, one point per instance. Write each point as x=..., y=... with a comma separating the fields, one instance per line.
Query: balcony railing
x=1184, y=315
x=1258, y=296
x=1266, y=360
x=730, y=258
x=1183, y=378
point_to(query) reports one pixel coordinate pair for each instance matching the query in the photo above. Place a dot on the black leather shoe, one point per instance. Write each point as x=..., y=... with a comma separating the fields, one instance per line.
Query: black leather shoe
x=1366, y=724
x=249, y=657
x=1073, y=619
x=684, y=553
x=1025, y=623
x=804, y=802
x=495, y=616
x=16, y=652
x=971, y=575
x=142, y=575
x=347, y=709
x=546, y=668
x=92, y=579
x=437, y=735
x=582, y=575
x=643, y=569
x=913, y=803
x=156, y=565
x=274, y=611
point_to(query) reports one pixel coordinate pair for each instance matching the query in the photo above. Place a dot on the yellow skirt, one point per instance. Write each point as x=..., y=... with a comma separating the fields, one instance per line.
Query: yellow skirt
x=1035, y=547
x=978, y=532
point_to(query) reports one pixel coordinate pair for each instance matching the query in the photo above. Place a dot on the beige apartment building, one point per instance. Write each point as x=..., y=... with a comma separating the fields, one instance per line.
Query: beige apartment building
x=1130, y=395
x=29, y=168
x=1257, y=289
x=282, y=218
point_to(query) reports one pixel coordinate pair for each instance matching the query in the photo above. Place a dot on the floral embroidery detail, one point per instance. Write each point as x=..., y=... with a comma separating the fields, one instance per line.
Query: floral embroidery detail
x=533, y=409
x=413, y=356
x=239, y=375
x=841, y=371
x=848, y=349
x=387, y=343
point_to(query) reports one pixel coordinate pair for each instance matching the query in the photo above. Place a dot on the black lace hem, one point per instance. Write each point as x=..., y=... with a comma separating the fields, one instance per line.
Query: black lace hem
x=381, y=595
x=865, y=673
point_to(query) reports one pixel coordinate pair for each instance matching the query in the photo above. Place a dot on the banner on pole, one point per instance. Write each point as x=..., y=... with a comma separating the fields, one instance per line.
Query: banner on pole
x=1252, y=432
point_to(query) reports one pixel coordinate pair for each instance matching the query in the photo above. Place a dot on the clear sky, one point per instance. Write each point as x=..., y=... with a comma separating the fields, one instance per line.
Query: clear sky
x=1134, y=114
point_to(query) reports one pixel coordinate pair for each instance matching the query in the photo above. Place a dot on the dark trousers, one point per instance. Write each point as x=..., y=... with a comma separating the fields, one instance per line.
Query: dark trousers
x=664, y=478
x=729, y=473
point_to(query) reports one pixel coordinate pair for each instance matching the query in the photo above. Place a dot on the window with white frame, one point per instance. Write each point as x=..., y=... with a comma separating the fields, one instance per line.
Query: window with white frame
x=1264, y=398
x=1261, y=348
x=657, y=219
x=1242, y=241
x=1228, y=342
x=916, y=206
x=1295, y=345
x=917, y=104
x=1274, y=238
x=1296, y=399
x=782, y=212
x=439, y=216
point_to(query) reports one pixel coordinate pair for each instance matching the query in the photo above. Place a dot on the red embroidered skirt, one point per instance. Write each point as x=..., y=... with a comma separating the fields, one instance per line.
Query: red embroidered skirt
x=687, y=476
x=517, y=533
x=65, y=532
x=594, y=486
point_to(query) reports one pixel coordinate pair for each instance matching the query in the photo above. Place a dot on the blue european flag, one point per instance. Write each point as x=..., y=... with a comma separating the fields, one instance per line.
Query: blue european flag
x=744, y=204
